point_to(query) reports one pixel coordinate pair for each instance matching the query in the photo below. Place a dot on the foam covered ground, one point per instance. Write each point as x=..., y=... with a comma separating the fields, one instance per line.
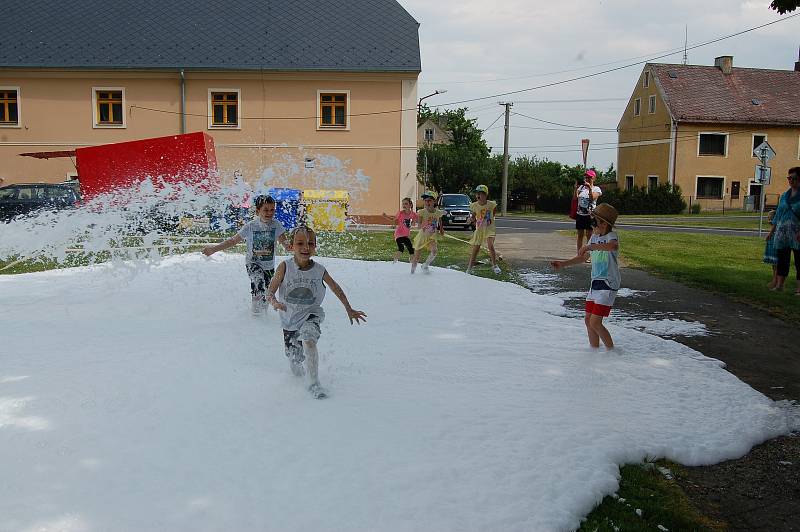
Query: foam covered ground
x=148, y=398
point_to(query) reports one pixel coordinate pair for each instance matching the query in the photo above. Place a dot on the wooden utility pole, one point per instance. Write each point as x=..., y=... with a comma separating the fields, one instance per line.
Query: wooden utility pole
x=504, y=199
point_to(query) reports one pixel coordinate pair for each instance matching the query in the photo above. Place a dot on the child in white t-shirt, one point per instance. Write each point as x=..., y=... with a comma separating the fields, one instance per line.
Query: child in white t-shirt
x=260, y=235
x=300, y=283
x=604, y=249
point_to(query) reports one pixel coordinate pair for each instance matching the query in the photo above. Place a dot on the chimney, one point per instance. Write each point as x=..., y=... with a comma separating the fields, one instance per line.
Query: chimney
x=797, y=64
x=724, y=63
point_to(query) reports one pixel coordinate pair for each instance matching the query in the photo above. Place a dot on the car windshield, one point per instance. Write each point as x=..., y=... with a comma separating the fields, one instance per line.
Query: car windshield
x=58, y=193
x=455, y=200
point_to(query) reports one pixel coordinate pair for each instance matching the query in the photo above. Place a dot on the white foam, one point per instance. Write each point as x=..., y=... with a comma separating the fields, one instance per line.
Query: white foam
x=161, y=404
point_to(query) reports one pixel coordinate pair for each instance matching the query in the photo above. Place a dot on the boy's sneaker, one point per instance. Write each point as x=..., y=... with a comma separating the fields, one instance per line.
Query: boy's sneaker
x=317, y=391
x=496, y=269
x=425, y=269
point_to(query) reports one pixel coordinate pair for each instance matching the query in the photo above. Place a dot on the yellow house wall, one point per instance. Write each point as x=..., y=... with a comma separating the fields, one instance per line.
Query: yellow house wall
x=56, y=113
x=738, y=164
x=644, y=140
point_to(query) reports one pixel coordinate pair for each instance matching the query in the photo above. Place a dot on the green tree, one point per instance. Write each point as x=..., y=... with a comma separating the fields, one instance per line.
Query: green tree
x=459, y=165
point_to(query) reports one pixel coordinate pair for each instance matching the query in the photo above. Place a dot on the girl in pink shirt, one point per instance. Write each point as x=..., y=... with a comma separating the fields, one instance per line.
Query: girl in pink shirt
x=402, y=222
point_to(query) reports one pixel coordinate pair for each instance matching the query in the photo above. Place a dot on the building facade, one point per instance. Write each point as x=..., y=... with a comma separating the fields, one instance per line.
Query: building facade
x=696, y=127
x=293, y=95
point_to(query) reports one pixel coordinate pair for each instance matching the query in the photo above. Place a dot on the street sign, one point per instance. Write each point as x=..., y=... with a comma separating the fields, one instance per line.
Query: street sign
x=763, y=174
x=764, y=151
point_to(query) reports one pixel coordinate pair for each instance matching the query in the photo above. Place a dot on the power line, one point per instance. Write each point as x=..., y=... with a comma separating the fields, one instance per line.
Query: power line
x=495, y=121
x=498, y=95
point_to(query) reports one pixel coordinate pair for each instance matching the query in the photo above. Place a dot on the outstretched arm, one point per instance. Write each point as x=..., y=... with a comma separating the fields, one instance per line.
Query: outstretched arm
x=232, y=241
x=276, y=281
x=577, y=259
x=336, y=289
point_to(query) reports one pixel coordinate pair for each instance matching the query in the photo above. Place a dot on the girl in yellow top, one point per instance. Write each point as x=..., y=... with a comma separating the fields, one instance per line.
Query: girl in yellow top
x=430, y=227
x=483, y=212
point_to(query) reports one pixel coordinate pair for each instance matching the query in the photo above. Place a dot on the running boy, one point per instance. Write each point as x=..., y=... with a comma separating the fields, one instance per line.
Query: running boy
x=430, y=227
x=604, y=248
x=260, y=235
x=403, y=220
x=483, y=214
x=300, y=283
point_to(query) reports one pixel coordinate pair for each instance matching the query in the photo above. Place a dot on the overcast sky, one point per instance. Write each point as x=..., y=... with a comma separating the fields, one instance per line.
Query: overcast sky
x=471, y=48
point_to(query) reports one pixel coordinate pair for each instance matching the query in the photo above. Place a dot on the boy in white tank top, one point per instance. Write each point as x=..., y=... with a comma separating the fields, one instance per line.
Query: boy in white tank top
x=300, y=283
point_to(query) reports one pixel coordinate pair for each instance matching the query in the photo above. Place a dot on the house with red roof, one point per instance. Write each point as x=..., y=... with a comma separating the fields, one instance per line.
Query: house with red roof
x=696, y=127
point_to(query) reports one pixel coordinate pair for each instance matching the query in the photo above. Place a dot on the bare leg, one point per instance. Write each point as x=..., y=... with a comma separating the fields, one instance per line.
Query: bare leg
x=779, y=281
x=492, y=253
x=580, y=239
x=774, y=280
x=396, y=256
x=596, y=323
x=431, y=256
x=414, y=260
x=594, y=339
x=472, y=255
x=312, y=361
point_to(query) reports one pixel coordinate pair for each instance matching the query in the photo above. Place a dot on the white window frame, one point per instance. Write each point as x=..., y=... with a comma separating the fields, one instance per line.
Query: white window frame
x=724, y=185
x=18, y=125
x=211, y=125
x=727, y=140
x=651, y=176
x=753, y=140
x=646, y=79
x=433, y=134
x=637, y=107
x=96, y=119
x=651, y=104
x=320, y=127
x=633, y=181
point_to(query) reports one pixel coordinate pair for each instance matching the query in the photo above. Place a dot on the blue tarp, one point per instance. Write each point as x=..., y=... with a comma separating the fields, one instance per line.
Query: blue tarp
x=287, y=205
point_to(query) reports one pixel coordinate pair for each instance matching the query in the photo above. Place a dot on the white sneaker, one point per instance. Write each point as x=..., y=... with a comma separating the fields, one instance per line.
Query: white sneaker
x=496, y=269
x=425, y=269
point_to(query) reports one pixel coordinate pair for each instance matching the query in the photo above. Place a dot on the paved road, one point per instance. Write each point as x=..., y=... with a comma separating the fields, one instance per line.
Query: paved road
x=526, y=225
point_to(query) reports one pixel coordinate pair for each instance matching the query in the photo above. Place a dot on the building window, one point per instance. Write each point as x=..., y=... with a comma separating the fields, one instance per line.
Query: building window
x=637, y=107
x=758, y=138
x=333, y=110
x=735, y=187
x=9, y=107
x=225, y=108
x=646, y=80
x=628, y=182
x=710, y=187
x=652, y=182
x=429, y=135
x=109, y=106
x=651, y=105
x=713, y=144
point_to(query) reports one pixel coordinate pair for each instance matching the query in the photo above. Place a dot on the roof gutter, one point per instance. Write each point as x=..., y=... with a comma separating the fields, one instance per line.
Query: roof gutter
x=183, y=102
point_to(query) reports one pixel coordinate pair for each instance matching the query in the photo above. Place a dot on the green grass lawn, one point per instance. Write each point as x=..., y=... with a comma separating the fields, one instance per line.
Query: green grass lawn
x=729, y=265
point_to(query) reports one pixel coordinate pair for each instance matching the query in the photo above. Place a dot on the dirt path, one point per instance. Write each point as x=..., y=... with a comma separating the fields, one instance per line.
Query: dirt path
x=760, y=491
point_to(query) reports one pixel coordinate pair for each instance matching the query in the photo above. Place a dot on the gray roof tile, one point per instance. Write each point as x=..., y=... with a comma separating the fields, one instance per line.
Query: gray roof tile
x=344, y=35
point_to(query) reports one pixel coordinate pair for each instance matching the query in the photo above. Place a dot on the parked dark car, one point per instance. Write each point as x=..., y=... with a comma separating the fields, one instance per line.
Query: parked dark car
x=21, y=199
x=456, y=210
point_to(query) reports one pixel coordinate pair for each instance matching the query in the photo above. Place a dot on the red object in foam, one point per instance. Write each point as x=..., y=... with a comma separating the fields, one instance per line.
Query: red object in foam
x=189, y=158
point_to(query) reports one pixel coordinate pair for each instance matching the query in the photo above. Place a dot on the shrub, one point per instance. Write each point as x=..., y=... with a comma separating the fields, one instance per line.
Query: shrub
x=663, y=199
x=695, y=208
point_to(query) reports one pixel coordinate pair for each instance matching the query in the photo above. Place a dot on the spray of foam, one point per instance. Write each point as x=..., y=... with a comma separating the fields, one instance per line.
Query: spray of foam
x=148, y=220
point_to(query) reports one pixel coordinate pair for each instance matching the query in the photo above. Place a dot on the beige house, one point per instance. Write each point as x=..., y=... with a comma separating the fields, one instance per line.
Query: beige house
x=431, y=132
x=696, y=126
x=306, y=94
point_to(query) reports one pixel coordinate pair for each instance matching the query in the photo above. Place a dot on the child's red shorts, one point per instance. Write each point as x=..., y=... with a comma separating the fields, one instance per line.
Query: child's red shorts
x=596, y=309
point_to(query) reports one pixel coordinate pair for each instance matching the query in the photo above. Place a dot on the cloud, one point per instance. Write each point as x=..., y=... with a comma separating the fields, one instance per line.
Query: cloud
x=466, y=42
